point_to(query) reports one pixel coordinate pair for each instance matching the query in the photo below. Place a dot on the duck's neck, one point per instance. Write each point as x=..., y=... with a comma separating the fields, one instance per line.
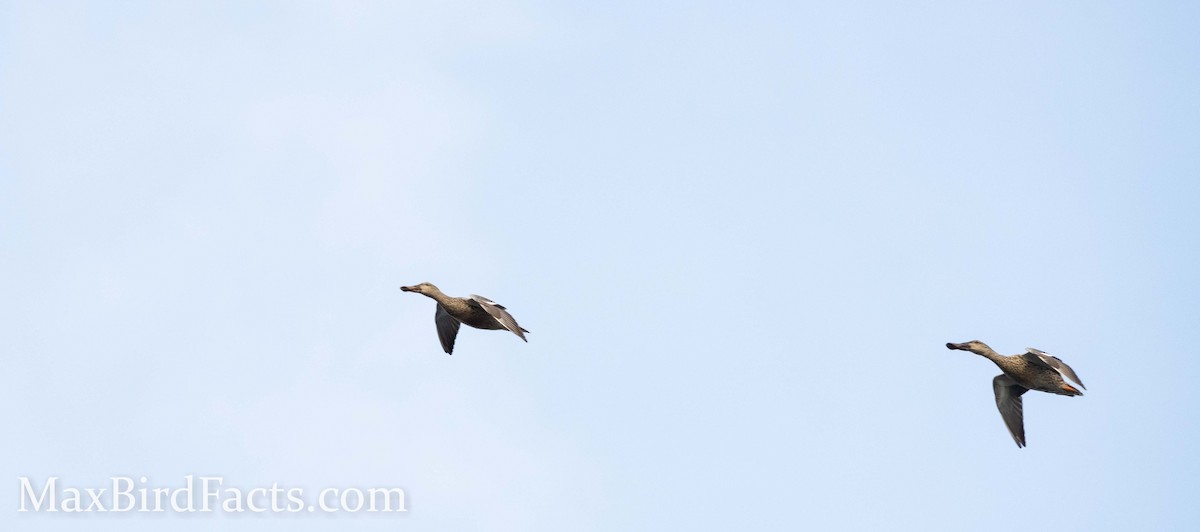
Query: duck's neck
x=438, y=296
x=990, y=354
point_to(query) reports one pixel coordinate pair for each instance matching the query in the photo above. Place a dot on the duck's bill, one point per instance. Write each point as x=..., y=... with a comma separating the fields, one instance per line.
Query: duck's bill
x=408, y=288
x=960, y=347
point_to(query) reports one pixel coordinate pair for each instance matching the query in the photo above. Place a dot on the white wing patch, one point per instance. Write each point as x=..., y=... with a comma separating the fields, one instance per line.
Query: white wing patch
x=1055, y=363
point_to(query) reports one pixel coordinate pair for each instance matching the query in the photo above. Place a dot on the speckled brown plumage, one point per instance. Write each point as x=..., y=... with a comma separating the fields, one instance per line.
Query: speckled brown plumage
x=477, y=311
x=1032, y=370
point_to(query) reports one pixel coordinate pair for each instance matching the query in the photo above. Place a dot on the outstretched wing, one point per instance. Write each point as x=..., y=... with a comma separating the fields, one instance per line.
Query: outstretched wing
x=1008, y=401
x=447, y=327
x=1054, y=363
x=501, y=314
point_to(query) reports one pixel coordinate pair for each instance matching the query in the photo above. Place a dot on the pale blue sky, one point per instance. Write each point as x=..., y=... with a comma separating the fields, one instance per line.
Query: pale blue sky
x=740, y=235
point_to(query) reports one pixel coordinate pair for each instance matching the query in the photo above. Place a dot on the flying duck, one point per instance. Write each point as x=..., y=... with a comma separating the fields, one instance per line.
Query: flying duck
x=477, y=311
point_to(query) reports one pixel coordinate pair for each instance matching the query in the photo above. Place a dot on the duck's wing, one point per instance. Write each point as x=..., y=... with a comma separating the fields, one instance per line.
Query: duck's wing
x=447, y=327
x=1053, y=363
x=1008, y=400
x=501, y=314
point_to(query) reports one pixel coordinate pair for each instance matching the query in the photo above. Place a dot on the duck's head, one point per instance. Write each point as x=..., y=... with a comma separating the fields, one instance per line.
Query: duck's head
x=974, y=346
x=423, y=288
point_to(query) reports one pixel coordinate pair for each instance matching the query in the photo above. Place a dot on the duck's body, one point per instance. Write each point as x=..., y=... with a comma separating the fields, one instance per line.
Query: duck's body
x=476, y=311
x=1032, y=370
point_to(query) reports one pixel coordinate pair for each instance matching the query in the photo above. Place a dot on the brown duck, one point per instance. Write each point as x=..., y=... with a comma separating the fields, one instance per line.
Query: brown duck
x=476, y=311
x=1032, y=370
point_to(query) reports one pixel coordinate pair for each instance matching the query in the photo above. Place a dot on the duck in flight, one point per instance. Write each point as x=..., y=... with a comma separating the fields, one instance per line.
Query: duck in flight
x=1031, y=370
x=476, y=311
